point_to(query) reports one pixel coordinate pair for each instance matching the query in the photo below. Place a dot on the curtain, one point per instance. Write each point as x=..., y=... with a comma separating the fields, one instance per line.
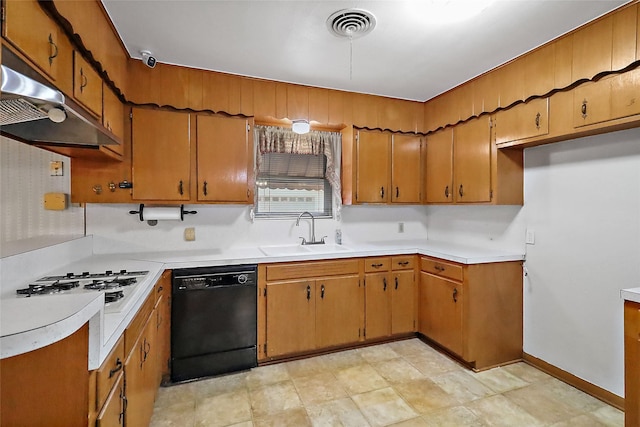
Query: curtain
x=274, y=139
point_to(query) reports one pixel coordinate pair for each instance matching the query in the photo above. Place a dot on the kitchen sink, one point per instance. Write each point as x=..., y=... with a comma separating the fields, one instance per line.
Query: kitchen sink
x=283, y=250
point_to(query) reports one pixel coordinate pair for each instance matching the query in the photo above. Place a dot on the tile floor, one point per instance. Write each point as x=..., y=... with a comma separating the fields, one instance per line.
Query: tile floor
x=404, y=383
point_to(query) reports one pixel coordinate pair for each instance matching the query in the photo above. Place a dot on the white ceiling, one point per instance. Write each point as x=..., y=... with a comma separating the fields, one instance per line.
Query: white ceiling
x=406, y=56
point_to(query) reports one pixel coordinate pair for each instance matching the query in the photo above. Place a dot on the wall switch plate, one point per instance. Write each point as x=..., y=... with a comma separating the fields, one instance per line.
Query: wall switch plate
x=190, y=234
x=401, y=227
x=531, y=237
x=55, y=168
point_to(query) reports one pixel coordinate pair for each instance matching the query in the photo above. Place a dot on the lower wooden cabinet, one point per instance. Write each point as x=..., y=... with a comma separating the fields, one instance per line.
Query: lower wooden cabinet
x=112, y=413
x=473, y=311
x=631, y=364
x=163, y=326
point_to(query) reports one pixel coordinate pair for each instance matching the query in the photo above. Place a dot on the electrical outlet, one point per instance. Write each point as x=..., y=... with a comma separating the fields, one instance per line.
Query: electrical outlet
x=531, y=237
x=190, y=234
x=401, y=227
x=55, y=168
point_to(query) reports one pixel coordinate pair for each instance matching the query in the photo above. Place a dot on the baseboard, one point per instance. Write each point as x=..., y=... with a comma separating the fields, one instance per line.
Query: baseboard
x=585, y=386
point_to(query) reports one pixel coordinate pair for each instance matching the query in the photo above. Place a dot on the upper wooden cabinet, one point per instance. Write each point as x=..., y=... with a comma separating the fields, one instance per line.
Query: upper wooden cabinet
x=592, y=46
x=472, y=161
x=522, y=121
x=438, y=182
x=87, y=85
x=161, y=155
x=224, y=158
x=113, y=117
x=388, y=167
x=28, y=28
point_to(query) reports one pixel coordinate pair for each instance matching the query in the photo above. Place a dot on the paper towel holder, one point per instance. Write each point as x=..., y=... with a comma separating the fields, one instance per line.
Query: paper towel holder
x=152, y=222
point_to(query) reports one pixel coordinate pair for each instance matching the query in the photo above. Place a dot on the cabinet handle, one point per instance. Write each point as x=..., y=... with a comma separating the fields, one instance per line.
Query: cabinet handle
x=403, y=263
x=538, y=121
x=446, y=191
x=248, y=193
x=143, y=356
x=455, y=294
x=382, y=192
x=583, y=109
x=439, y=268
x=396, y=283
x=118, y=367
x=460, y=191
x=376, y=265
x=204, y=188
x=84, y=81
x=322, y=291
x=55, y=49
x=308, y=292
x=397, y=192
x=180, y=188
x=384, y=282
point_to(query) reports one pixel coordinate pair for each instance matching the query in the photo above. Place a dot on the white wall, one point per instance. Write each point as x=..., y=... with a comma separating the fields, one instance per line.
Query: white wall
x=223, y=226
x=582, y=199
x=24, y=179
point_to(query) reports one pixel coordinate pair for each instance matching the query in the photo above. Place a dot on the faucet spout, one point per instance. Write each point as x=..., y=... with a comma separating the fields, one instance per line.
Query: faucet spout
x=312, y=230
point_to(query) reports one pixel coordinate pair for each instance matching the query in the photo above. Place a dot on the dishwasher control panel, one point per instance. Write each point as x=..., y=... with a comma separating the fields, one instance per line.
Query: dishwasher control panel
x=205, y=278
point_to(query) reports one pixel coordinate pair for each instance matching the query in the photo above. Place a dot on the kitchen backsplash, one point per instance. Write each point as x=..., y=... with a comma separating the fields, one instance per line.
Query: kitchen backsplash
x=24, y=179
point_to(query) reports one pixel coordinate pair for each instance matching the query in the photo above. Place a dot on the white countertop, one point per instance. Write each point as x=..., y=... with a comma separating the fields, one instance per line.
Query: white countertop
x=31, y=323
x=631, y=294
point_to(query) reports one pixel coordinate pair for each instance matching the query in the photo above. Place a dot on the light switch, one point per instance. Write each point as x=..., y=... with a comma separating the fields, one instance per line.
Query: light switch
x=531, y=237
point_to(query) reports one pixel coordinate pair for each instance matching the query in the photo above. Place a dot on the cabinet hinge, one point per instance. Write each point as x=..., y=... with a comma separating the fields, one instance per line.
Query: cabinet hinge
x=265, y=348
x=364, y=332
x=2, y=16
x=265, y=292
x=130, y=115
x=248, y=127
x=491, y=124
x=358, y=332
x=357, y=136
x=490, y=194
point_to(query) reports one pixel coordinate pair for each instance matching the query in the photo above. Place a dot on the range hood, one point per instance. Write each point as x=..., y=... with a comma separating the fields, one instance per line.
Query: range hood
x=36, y=113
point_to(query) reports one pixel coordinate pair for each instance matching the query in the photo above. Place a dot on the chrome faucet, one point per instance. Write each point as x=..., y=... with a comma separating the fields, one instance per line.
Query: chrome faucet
x=312, y=230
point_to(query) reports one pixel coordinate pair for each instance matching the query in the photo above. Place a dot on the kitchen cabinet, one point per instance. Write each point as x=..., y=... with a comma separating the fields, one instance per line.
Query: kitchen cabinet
x=631, y=364
x=458, y=164
x=113, y=118
x=388, y=167
x=87, y=85
x=140, y=368
x=474, y=311
x=615, y=96
x=389, y=296
x=107, y=379
x=592, y=47
x=224, y=158
x=161, y=155
x=163, y=326
x=112, y=414
x=36, y=36
x=311, y=305
x=523, y=121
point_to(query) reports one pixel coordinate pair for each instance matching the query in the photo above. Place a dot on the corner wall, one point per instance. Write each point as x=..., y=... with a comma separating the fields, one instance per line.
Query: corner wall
x=582, y=199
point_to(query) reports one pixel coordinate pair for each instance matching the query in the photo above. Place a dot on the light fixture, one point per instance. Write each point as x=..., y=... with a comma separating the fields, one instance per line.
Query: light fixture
x=301, y=126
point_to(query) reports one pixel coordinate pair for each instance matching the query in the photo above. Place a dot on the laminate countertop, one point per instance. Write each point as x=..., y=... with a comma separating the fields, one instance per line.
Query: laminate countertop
x=28, y=324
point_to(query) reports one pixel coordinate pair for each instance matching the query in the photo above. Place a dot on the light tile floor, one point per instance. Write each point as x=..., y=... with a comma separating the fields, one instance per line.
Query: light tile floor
x=404, y=383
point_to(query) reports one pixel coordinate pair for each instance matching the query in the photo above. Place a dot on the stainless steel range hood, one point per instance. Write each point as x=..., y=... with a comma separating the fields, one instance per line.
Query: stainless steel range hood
x=33, y=112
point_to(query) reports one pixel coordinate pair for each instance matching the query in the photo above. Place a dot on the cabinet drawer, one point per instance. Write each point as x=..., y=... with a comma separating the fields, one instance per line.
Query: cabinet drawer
x=406, y=262
x=441, y=268
x=300, y=270
x=371, y=265
x=113, y=412
x=135, y=328
x=109, y=371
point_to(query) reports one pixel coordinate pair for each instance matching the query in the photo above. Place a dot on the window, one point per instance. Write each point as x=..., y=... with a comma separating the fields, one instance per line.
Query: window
x=296, y=173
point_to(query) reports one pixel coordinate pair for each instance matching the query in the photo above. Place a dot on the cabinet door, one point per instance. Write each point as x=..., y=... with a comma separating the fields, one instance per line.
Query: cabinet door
x=592, y=102
x=291, y=314
x=592, y=49
x=113, y=117
x=163, y=326
x=140, y=373
x=373, y=163
x=402, y=302
x=337, y=313
x=29, y=29
x=441, y=311
x=112, y=413
x=523, y=121
x=224, y=159
x=472, y=161
x=625, y=94
x=377, y=305
x=161, y=155
x=631, y=365
x=87, y=85
x=439, y=167
x=405, y=168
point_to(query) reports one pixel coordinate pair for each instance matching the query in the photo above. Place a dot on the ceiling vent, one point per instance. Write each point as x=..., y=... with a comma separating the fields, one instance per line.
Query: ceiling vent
x=351, y=23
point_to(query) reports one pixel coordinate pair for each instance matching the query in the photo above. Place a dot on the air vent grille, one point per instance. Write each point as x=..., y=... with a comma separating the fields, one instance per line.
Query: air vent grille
x=18, y=111
x=351, y=23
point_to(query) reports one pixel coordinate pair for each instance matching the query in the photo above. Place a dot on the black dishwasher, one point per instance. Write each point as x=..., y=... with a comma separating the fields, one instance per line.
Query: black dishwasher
x=213, y=321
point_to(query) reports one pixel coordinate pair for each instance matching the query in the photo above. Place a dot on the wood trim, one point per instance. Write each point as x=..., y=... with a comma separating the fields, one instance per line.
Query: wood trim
x=582, y=385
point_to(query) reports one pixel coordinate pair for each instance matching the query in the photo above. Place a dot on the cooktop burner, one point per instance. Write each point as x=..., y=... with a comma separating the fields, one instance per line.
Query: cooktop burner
x=86, y=275
x=100, y=285
x=113, y=296
x=43, y=289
